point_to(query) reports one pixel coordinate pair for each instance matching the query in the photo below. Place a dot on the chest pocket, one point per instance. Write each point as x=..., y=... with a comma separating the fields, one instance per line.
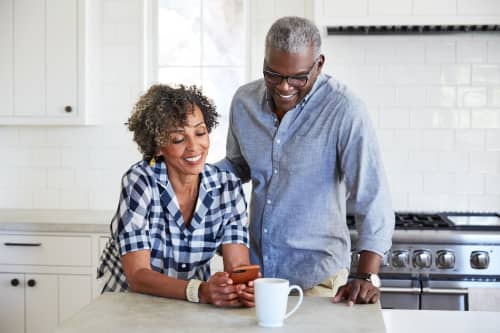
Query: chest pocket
x=303, y=153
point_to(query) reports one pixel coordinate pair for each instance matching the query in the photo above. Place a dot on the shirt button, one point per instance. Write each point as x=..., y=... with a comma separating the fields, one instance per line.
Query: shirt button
x=266, y=257
x=265, y=230
x=268, y=202
x=275, y=170
x=183, y=265
x=278, y=141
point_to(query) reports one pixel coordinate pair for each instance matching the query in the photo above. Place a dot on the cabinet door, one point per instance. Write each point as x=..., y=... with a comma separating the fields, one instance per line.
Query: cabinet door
x=29, y=55
x=62, y=57
x=12, y=303
x=41, y=303
x=6, y=57
x=75, y=291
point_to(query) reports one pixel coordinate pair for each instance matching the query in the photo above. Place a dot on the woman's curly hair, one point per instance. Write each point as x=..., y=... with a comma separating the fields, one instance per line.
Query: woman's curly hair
x=163, y=108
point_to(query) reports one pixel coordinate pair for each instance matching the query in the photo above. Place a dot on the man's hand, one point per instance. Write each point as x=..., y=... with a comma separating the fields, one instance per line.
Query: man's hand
x=357, y=291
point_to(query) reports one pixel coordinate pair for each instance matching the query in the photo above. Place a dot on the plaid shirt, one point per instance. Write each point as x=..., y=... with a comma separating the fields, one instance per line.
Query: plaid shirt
x=148, y=218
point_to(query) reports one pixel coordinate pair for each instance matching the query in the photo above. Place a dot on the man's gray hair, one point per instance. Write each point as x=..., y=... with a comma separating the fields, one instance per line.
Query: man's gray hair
x=294, y=34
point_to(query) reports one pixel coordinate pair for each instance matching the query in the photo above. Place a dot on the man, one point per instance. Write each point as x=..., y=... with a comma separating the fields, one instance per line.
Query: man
x=310, y=150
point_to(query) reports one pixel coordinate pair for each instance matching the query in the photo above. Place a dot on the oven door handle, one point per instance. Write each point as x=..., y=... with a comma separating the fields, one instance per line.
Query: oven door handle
x=427, y=290
x=400, y=290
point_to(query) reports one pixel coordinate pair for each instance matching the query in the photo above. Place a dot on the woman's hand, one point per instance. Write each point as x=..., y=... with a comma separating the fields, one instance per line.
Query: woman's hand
x=220, y=291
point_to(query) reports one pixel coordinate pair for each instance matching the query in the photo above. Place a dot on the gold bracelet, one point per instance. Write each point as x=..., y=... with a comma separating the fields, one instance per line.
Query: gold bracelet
x=192, y=289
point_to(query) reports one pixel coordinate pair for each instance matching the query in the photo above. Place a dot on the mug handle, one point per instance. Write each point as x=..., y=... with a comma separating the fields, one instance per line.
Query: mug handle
x=301, y=297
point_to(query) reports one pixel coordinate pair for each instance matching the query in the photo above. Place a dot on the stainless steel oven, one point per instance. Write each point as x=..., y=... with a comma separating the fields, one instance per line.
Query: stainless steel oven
x=437, y=259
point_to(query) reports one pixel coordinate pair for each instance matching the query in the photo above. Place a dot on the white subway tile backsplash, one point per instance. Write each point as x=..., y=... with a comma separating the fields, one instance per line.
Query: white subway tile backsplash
x=433, y=7
x=440, y=118
x=16, y=199
x=31, y=178
x=441, y=96
x=440, y=52
x=409, y=51
x=411, y=74
x=486, y=74
x=8, y=136
x=33, y=136
x=41, y=157
x=493, y=185
x=46, y=199
x=424, y=202
x=400, y=202
x=289, y=7
x=471, y=50
x=439, y=183
x=471, y=97
x=485, y=118
x=454, y=202
x=395, y=118
x=423, y=161
x=408, y=140
x=494, y=50
x=493, y=139
x=484, y=203
x=411, y=96
x=469, y=140
x=395, y=160
x=494, y=96
x=438, y=140
x=467, y=183
x=484, y=162
x=478, y=7
x=74, y=199
x=455, y=74
x=405, y=182
x=454, y=161
x=61, y=178
x=389, y=7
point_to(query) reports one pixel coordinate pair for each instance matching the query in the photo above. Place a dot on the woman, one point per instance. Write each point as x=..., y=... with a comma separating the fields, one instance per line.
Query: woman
x=175, y=211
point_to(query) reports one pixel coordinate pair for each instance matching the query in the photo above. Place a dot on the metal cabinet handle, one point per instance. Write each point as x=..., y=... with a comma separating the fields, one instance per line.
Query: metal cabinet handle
x=400, y=290
x=21, y=244
x=68, y=108
x=14, y=282
x=444, y=291
x=31, y=283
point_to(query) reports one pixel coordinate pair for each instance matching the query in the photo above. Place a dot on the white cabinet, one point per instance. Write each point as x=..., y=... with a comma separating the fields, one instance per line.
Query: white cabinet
x=43, y=56
x=45, y=278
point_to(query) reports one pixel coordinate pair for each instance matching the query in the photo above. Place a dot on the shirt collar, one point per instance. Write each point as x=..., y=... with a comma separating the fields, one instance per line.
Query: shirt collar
x=159, y=171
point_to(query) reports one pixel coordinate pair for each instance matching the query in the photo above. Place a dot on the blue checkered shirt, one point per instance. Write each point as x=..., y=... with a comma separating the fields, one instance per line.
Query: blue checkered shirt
x=148, y=218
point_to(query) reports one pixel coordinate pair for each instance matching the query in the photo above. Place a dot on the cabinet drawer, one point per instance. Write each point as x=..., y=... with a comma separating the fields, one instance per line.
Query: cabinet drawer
x=45, y=250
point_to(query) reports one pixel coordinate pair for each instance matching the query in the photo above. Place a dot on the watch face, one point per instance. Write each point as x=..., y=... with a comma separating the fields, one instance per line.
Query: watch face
x=375, y=280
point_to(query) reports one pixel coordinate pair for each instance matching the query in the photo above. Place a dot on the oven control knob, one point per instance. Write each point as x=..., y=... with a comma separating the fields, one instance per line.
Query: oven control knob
x=479, y=259
x=445, y=259
x=400, y=258
x=422, y=259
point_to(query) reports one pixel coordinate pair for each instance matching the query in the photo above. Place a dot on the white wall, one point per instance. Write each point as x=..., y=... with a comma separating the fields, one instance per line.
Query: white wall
x=435, y=102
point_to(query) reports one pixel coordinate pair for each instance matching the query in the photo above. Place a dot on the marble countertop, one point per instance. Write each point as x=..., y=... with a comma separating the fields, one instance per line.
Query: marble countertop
x=87, y=221
x=131, y=312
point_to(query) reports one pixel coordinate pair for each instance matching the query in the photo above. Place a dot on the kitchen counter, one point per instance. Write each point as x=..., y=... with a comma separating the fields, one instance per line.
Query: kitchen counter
x=86, y=221
x=131, y=312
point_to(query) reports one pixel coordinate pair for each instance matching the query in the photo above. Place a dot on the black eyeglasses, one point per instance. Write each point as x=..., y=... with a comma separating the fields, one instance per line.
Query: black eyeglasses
x=297, y=81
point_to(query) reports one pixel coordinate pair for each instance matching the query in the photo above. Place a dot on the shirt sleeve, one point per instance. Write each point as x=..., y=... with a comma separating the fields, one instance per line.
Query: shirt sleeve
x=132, y=214
x=234, y=160
x=235, y=227
x=363, y=171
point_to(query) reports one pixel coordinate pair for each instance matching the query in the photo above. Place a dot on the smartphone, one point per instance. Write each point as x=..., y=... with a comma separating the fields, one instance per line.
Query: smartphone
x=243, y=274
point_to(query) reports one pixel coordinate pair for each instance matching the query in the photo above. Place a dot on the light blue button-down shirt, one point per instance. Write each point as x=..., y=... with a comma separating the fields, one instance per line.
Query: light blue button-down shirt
x=304, y=169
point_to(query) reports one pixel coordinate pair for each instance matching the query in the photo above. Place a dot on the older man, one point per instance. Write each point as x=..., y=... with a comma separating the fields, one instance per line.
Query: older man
x=309, y=148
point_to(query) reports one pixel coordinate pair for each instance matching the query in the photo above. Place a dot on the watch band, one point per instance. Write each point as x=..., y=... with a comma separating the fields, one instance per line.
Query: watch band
x=192, y=290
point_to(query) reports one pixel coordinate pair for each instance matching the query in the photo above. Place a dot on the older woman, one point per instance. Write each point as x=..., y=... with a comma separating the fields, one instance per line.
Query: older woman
x=175, y=211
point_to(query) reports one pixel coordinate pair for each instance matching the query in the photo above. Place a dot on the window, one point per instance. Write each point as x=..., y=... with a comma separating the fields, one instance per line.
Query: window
x=203, y=43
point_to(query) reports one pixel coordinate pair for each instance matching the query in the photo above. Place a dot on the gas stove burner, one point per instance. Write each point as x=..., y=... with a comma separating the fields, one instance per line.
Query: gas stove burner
x=420, y=220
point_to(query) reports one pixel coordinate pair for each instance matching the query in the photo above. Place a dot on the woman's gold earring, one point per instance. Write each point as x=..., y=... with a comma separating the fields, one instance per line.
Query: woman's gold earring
x=152, y=162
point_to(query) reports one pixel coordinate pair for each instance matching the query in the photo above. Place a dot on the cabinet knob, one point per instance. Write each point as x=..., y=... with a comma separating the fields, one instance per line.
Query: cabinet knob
x=68, y=108
x=14, y=282
x=31, y=283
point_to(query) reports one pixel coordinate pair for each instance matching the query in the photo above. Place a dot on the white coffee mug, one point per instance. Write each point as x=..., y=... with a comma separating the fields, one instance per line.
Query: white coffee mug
x=271, y=297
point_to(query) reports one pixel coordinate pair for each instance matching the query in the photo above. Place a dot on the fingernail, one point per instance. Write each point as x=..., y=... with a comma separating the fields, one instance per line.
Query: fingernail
x=350, y=303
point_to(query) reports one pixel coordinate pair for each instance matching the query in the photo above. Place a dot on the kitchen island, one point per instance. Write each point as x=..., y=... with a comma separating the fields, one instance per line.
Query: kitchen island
x=130, y=312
